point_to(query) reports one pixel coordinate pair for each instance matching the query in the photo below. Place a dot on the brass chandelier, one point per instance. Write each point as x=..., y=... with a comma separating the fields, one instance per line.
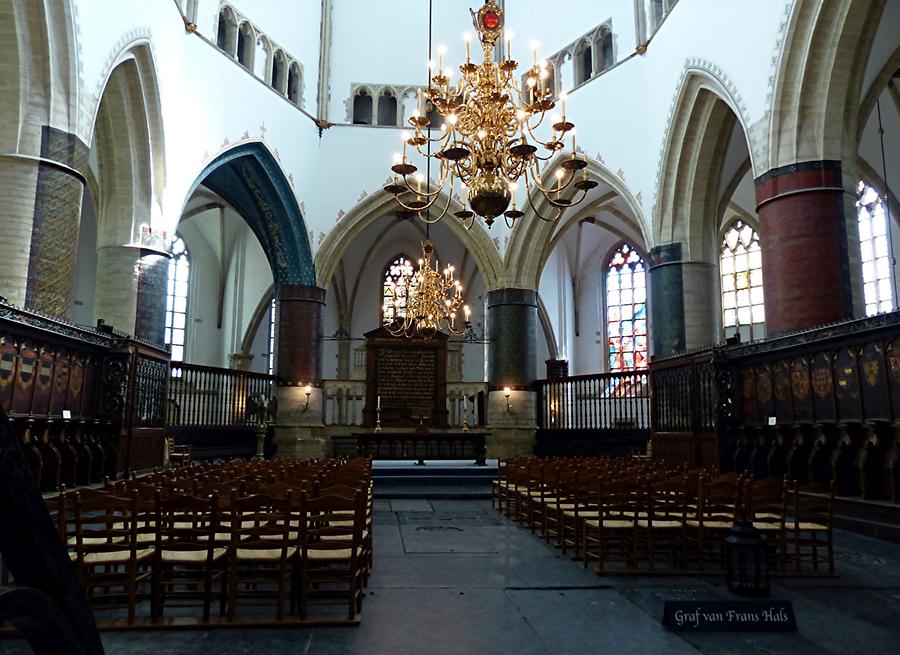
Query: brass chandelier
x=488, y=140
x=428, y=299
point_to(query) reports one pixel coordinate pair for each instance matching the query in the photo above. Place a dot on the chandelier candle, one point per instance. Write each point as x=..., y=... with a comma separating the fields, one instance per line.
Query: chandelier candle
x=488, y=141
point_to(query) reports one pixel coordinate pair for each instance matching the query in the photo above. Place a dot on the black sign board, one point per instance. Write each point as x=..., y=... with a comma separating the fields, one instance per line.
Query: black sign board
x=744, y=615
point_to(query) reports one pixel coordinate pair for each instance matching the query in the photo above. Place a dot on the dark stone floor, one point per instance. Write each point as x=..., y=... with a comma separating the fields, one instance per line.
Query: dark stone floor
x=454, y=577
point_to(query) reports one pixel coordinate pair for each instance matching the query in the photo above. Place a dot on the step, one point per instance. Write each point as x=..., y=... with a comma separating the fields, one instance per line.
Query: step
x=450, y=480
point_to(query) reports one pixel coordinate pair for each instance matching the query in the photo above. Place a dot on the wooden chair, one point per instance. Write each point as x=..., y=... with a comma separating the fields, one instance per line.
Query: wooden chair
x=612, y=536
x=716, y=512
x=662, y=530
x=179, y=456
x=106, y=550
x=260, y=551
x=766, y=503
x=331, y=563
x=811, y=530
x=187, y=559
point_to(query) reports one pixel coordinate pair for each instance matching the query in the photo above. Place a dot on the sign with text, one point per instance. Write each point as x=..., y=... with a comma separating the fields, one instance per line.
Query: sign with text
x=746, y=615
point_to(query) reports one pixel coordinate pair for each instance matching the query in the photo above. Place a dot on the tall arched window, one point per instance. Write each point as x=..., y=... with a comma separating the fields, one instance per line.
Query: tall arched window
x=392, y=291
x=295, y=79
x=176, y=299
x=245, y=49
x=740, y=265
x=626, y=310
x=362, y=108
x=875, y=250
x=279, y=64
x=387, y=108
x=272, y=338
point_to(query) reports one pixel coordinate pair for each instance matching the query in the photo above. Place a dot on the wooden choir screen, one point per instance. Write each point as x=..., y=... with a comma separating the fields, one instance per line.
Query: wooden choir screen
x=77, y=397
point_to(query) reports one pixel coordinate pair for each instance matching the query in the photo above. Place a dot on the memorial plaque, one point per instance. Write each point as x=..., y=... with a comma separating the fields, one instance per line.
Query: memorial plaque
x=715, y=615
x=409, y=376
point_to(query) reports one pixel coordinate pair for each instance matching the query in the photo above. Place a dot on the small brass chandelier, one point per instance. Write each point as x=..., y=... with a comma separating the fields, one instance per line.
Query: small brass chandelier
x=428, y=299
x=488, y=138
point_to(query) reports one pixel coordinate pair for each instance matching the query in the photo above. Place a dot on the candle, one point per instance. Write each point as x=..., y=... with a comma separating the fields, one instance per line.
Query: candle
x=509, y=37
x=467, y=37
x=379, y=403
x=573, y=141
x=420, y=100
x=534, y=47
x=562, y=99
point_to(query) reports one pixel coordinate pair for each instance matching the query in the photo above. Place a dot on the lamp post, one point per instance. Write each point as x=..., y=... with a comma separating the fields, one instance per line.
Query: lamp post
x=746, y=559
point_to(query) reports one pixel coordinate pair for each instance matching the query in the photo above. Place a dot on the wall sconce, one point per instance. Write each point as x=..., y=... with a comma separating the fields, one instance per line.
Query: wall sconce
x=308, y=390
x=506, y=392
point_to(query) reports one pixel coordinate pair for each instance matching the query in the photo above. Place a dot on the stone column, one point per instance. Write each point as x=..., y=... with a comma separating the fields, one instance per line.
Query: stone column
x=152, y=283
x=803, y=237
x=42, y=217
x=299, y=431
x=683, y=302
x=512, y=362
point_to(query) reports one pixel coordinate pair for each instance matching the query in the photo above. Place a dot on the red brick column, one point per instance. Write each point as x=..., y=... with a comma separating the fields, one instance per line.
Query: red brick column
x=301, y=318
x=803, y=236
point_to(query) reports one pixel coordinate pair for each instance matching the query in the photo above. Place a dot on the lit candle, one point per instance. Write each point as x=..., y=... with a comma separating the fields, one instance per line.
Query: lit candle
x=562, y=99
x=467, y=312
x=442, y=50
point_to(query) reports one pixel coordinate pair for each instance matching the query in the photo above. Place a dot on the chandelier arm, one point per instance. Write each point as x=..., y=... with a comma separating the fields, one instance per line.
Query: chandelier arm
x=411, y=208
x=556, y=189
x=446, y=207
x=538, y=213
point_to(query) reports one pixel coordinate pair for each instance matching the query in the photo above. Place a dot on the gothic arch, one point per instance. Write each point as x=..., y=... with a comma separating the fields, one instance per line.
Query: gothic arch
x=815, y=103
x=687, y=197
x=531, y=238
x=40, y=56
x=380, y=203
x=249, y=178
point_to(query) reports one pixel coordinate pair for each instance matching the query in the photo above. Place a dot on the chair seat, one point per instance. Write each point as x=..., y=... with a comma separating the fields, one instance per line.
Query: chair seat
x=610, y=523
x=659, y=523
x=811, y=527
x=190, y=556
x=116, y=556
x=335, y=554
x=260, y=555
x=719, y=525
x=94, y=541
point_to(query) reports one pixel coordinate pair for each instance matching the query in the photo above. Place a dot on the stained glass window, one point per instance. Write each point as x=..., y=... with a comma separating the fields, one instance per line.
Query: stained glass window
x=626, y=310
x=875, y=250
x=740, y=265
x=176, y=299
x=393, y=292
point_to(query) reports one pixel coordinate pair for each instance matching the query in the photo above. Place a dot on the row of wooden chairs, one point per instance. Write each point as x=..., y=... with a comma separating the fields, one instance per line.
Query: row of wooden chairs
x=636, y=516
x=296, y=534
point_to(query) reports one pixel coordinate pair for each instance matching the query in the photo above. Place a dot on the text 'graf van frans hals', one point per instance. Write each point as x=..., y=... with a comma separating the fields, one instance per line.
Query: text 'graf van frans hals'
x=748, y=615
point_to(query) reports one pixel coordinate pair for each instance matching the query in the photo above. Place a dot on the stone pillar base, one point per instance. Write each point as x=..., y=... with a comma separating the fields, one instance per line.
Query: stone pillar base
x=510, y=442
x=300, y=442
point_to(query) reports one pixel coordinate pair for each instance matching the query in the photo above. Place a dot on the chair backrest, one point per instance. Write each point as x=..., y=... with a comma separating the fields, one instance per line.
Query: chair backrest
x=186, y=523
x=260, y=521
x=332, y=523
x=105, y=523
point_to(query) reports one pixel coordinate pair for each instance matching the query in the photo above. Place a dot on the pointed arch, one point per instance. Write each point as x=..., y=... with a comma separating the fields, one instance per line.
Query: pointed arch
x=818, y=81
x=686, y=209
x=380, y=203
x=531, y=238
x=250, y=179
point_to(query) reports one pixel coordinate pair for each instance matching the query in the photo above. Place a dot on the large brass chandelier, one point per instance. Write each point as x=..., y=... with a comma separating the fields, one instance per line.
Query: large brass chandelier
x=488, y=139
x=427, y=298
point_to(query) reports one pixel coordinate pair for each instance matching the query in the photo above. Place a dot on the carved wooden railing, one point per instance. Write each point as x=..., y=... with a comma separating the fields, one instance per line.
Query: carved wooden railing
x=594, y=402
x=210, y=410
x=603, y=413
x=210, y=396
x=685, y=408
